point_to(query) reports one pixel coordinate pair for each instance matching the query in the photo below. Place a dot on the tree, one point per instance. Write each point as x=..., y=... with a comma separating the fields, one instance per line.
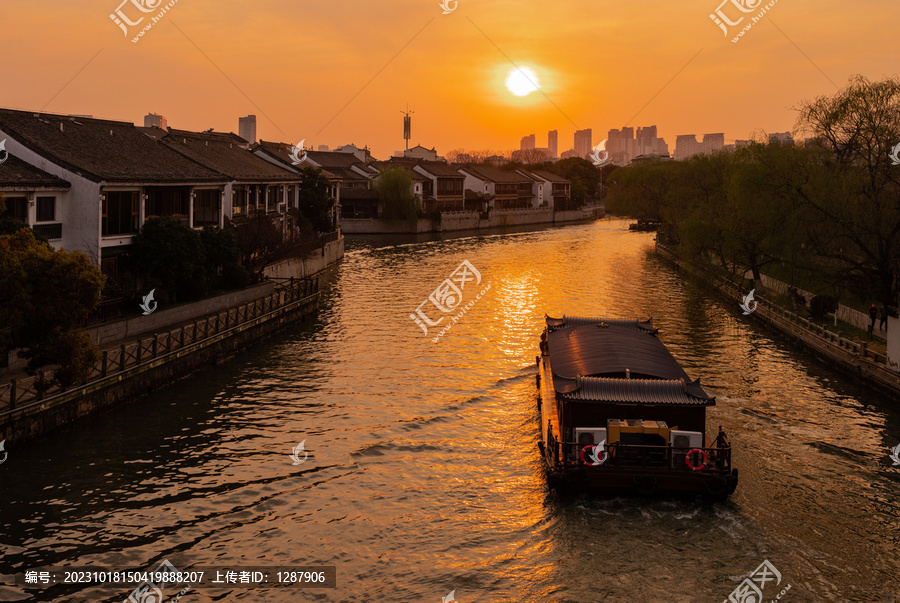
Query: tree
x=222, y=259
x=262, y=242
x=394, y=188
x=485, y=156
x=530, y=156
x=169, y=253
x=638, y=191
x=316, y=202
x=583, y=175
x=858, y=126
x=45, y=296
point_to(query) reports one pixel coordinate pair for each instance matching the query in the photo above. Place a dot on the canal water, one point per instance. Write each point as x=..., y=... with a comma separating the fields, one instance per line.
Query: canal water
x=423, y=475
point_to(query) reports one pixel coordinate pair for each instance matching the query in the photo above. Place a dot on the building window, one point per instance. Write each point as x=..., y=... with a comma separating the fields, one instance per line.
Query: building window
x=239, y=199
x=46, y=209
x=17, y=208
x=274, y=197
x=167, y=201
x=120, y=213
x=206, y=207
x=448, y=186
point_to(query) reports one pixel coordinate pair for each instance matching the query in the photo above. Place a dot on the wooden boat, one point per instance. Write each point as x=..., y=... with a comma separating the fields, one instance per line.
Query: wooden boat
x=644, y=225
x=620, y=415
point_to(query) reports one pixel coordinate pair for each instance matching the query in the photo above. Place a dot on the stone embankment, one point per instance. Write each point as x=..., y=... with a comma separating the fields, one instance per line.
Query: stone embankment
x=852, y=357
x=136, y=368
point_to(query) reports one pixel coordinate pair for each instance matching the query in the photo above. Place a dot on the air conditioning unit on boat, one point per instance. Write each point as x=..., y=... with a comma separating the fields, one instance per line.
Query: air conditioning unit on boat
x=683, y=441
x=598, y=434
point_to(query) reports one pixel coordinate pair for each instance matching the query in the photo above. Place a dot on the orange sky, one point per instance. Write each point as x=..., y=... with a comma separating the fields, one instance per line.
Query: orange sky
x=301, y=61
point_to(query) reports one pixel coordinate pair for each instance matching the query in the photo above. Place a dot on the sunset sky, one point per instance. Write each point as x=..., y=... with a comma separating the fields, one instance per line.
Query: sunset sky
x=296, y=64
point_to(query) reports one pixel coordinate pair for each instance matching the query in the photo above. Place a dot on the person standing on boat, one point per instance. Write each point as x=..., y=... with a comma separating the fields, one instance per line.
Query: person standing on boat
x=722, y=445
x=873, y=314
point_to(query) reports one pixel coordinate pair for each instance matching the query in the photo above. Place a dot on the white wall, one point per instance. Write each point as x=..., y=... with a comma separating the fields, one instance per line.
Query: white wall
x=302, y=268
x=79, y=213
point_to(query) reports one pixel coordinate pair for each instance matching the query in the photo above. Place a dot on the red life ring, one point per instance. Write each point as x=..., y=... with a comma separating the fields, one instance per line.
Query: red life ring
x=589, y=463
x=687, y=459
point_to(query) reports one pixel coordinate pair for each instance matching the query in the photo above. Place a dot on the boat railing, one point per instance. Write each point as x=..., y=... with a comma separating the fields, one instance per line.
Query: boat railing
x=569, y=456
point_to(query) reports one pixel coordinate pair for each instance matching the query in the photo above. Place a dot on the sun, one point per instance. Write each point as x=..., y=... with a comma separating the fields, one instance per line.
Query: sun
x=522, y=81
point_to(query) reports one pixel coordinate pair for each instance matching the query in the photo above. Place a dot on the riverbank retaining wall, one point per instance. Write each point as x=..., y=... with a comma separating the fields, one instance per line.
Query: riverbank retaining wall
x=471, y=220
x=315, y=263
x=138, y=368
x=858, y=319
x=851, y=357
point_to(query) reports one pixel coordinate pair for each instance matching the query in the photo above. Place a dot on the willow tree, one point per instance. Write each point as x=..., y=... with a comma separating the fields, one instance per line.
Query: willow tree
x=394, y=186
x=857, y=217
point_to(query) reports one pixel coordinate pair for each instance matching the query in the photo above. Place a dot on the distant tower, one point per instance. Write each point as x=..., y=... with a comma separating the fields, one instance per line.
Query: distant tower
x=152, y=120
x=407, y=125
x=583, y=142
x=552, y=141
x=247, y=128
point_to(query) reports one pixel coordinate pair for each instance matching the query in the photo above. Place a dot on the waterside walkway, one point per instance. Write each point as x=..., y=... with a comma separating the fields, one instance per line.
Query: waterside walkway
x=133, y=368
x=852, y=357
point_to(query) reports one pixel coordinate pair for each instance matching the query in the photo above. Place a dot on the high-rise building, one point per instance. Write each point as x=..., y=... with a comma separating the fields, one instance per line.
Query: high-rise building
x=583, y=143
x=552, y=142
x=324, y=147
x=687, y=145
x=623, y=145
x=528, y=142
x=152, y=120
x=247, y=128
x=781, y=138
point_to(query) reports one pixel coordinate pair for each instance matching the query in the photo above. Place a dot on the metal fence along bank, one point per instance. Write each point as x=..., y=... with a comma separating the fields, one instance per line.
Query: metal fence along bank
x=850, y=356
x=29, y=407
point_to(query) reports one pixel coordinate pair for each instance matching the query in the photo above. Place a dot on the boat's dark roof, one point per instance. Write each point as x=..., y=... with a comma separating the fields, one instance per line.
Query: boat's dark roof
x=645, y=391
x=606, y=348
x=577, y=321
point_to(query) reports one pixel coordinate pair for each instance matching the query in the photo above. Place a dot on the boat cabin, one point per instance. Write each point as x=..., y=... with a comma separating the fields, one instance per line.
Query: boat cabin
x=618, y=409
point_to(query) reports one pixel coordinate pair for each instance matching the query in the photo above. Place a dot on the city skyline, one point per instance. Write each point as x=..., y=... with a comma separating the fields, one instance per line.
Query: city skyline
x=360, y=67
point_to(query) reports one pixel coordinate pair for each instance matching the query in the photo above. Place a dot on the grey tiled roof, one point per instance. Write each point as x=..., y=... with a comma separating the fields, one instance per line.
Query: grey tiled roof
x=102, y=150
x=17, y=173
x=441, y=169
x=281, y=151
x=549, y=176
x=227, y=154
x=491, y=174
x=646, y=391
